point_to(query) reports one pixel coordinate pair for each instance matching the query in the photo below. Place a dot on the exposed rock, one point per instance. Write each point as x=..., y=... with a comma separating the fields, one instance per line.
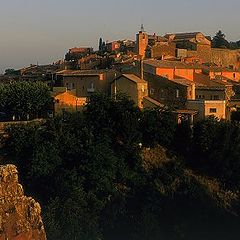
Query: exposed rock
x=20, y=216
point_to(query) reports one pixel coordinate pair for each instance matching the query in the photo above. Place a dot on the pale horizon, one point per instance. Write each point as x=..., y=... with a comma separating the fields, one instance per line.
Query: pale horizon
x=43, y=31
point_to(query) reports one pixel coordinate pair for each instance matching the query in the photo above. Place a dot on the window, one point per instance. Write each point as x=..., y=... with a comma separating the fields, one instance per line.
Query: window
x=70, y=86
x=151, y=91
x=216, y=97
x=177, y=93
x=213, y=110
x=234, y=75
x=91, y=89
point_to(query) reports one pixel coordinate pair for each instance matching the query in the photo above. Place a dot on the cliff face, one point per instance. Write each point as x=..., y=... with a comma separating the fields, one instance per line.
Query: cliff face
x=20, y=216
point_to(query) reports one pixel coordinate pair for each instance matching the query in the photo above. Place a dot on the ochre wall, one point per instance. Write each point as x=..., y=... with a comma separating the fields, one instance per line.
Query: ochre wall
x=136, y=91
x=235, y=76
x=203, y=108
x=165, y=72
x=68, y=102
x=184, y=73
x=142, y=43
x=100, y=82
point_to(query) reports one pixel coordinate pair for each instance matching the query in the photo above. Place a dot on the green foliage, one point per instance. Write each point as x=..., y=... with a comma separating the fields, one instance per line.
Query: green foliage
x=216, y=146
x=12, y=72
x=235, y=116
x=100, y=46
x=158, y=127
x=24, y=98
x=235, y=45
x=183, y=138
x=118, y=120
x=219, y=41
x=88, y=174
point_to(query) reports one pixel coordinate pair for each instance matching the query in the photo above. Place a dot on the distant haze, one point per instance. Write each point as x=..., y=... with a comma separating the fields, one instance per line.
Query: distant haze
x=42, y=31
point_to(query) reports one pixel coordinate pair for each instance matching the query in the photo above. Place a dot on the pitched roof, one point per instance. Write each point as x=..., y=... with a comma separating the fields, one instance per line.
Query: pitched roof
x=82, y=72
x=225, y=83
x=220, y=69
x=153, y=101
x=182, y=81
x=210, y=85
x=178, y=36
x=157, y=38
x=133, y=78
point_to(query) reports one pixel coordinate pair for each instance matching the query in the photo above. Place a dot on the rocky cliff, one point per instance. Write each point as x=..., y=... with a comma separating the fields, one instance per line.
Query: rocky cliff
x=20, y=216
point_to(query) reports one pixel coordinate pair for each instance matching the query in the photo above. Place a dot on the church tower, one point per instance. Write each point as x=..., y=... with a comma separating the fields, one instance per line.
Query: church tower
x=141, y=42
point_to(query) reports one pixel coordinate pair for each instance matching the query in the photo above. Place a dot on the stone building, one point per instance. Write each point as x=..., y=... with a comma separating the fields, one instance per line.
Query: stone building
x=172, y=69
x=130, y=84
x=174, y=93
x=113, y=46
x=223, y=73
x=68, y=102
x=153, y=46
x=186, y=46
x=86, y=82
x=206, y=108
x=191, y=41
x=141, y=43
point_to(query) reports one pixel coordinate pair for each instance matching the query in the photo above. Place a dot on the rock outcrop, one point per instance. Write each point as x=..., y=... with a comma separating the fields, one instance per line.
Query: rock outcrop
x=20, y=216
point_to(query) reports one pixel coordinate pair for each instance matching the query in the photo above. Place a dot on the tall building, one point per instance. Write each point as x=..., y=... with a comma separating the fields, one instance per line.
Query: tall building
x=141, y=42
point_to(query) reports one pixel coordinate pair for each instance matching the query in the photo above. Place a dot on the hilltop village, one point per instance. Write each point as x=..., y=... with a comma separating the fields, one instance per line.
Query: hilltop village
x=180, y=71
x=138, y=140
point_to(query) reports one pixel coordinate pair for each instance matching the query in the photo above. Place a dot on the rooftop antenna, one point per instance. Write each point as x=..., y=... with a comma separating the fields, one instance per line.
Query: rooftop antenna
x=142, y=27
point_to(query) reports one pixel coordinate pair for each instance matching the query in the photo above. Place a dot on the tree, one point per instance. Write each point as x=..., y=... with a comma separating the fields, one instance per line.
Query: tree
x=100, y=46
x=11, y=71
x=219, y=40
x=216, y=150
x=157, y=126
x=25, y=99
x=89, y=177
x=183, y=138
x=117, y=120
x=235, y=116
x=235, y=45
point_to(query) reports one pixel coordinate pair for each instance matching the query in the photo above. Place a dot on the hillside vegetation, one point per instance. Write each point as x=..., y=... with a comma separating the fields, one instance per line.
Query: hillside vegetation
x=114, y=172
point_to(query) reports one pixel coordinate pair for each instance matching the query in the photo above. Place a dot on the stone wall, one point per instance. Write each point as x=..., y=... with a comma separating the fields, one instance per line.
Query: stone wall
x=20, y=216
x=225, y=57
x=220, y=57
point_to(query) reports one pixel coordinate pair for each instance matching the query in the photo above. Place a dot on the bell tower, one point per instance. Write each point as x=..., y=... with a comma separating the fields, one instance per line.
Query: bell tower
x=141, y=42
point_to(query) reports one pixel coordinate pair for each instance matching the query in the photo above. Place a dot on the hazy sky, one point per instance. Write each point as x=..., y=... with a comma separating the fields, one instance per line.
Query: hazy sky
x=43, y=30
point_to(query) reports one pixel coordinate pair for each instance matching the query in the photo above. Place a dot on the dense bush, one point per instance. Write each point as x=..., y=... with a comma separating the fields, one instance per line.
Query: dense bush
x=87, y=172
